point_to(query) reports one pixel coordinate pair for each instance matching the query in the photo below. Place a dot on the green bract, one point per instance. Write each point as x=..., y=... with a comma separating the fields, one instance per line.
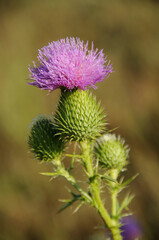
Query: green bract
x=43, y=141
x=111, y=152
x=78, y=116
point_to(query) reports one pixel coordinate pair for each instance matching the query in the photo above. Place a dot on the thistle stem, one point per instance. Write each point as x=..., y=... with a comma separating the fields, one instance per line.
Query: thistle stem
x=63, y=172
x=114, y=193
x=95, y=191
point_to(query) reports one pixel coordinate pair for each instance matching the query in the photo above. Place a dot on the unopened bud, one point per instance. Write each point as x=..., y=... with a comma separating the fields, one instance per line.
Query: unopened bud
x=43, y=141
x=78, y=116
x=111, y=152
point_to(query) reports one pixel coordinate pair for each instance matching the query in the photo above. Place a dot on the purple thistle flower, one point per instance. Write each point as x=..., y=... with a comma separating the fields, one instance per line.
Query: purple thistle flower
x=130, y=229
x=68, y=63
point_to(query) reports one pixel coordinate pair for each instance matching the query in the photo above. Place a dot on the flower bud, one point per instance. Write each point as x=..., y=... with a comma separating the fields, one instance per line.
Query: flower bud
x=43, y=141
x=111, y=152
x=78, y=116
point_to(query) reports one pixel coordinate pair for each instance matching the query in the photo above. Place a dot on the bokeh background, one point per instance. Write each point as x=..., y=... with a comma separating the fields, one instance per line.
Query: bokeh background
x=129, y=34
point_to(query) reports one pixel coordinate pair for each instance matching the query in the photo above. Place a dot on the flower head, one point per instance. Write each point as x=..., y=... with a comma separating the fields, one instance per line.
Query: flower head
x=130, y=229
x=68, y=63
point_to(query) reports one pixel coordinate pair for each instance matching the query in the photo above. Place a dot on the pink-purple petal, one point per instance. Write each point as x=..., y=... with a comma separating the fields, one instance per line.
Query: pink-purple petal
x=68, y=63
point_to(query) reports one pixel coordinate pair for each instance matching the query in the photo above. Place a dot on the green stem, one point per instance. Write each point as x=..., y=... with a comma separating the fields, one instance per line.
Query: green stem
x=114, y=193
x=73, y=158
x=72, y=180
x=95, y=191
x=63, y=172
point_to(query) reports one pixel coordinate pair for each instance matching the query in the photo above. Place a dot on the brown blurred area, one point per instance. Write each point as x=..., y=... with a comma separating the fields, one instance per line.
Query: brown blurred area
x=129, y=34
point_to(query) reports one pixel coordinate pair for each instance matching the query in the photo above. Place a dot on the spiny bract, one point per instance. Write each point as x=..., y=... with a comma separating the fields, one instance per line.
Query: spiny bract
x=43, y=141
x=111, y=152
x=78, y=116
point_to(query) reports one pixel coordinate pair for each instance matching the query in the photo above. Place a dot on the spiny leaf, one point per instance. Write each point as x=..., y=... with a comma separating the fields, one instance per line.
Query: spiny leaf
x=64, y=200
x=78, y=207
x=77, y=196
x=67, y=204
x=124, y=184
x=125, y=215
x=50, y=174
x=125, y=203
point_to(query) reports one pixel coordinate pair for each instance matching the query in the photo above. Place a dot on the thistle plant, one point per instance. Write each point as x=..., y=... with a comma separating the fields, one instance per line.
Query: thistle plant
x=80, y=120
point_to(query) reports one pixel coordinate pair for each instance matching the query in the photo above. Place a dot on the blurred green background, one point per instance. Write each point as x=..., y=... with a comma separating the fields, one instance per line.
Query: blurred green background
x=129, y=34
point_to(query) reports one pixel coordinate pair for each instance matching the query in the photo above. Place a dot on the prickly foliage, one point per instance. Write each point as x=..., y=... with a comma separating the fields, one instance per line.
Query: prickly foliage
x=78, y=116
